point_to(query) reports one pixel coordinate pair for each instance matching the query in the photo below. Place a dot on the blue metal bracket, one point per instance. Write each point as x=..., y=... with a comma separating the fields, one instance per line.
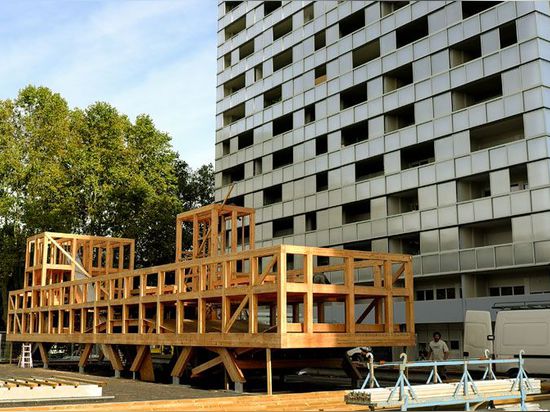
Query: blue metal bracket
x=466, y=392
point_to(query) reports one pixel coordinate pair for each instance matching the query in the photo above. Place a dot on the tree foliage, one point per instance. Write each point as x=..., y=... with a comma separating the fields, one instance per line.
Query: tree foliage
x=90, y=171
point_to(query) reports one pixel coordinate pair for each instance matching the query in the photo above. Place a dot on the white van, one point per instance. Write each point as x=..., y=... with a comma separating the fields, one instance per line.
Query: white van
x=514, y=330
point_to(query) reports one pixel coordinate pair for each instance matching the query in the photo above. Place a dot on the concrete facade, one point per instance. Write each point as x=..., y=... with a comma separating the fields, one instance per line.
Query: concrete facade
x=413, y=127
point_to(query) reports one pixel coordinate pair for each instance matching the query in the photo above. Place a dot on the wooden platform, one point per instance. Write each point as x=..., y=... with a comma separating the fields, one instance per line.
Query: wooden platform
x=223, y=294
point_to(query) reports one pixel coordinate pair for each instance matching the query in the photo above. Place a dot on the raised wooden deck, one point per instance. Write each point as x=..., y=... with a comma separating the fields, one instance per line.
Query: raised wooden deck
x=226, y=294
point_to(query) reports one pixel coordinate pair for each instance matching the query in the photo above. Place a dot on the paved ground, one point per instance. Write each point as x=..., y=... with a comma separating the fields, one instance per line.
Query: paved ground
x=123, y=390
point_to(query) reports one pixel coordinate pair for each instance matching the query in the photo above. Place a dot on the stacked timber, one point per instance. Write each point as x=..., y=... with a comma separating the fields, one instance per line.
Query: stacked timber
x=39, y=388
x=443, y=391
x=325, y=401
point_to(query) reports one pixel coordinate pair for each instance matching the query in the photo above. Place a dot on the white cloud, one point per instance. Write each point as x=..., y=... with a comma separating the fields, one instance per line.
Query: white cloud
x=156, y=57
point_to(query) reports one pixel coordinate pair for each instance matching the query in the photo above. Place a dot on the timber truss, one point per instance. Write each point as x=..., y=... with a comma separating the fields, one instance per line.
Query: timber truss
x=223, y=295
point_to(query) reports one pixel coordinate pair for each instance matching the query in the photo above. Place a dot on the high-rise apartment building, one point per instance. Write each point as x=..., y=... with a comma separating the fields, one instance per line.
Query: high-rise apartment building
x=413, y=127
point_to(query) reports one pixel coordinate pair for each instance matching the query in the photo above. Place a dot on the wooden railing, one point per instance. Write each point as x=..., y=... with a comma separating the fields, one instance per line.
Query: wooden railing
x=270, y=297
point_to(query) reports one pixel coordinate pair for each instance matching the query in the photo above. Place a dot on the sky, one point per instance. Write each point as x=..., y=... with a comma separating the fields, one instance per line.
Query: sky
x=142, y=56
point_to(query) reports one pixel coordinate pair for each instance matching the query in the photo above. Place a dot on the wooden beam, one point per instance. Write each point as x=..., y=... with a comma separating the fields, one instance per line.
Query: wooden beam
x=181, y=363
x=68, y=256
x=308, y=297
x=113, y=357
x=85, y=354
x=141, y=353
x=236, y=314
x=349, y=281
x=367, y=310
x=269, y=371
x=388, y=300
x=197, y=370
x=43, y=353
x=235, y=373
x=143, y=363
x=399, y=272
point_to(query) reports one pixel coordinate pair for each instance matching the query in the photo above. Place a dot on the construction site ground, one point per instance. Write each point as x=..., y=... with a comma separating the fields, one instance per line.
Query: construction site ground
x=123, y=390
x=294, y=394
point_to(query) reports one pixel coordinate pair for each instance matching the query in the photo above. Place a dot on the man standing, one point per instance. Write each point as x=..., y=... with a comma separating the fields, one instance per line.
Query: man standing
x=438, y=351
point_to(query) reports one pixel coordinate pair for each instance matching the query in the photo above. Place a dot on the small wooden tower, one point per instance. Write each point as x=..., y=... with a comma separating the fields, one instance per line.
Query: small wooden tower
x=218, y=229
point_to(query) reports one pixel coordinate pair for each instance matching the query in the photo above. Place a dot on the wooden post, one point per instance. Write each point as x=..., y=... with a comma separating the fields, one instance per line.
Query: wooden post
x=84, y=356
x=181, y=363
x=268, y=371
x=44, y=259
x=308, y=298
x=143, y=363
x=114, y=358
x=178, y=240
x=281, y=293
x=43, y=354
x=409, y=300
x=388, y=299
x=350, y=296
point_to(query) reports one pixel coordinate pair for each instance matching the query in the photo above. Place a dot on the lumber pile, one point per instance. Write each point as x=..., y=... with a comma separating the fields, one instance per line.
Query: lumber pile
x=40, y=388
x=312, y=401
x=444, y=391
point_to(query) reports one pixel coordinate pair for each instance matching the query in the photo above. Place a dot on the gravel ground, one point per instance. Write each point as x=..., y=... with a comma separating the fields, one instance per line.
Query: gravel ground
x=123, y=390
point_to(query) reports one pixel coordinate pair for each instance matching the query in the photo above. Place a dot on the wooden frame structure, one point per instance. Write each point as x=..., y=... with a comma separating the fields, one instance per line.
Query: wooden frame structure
x=223, y=295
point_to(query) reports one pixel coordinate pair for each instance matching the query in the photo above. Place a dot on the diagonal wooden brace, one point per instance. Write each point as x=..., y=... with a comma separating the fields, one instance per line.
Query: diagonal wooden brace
x=143, y=363
x=182, y=362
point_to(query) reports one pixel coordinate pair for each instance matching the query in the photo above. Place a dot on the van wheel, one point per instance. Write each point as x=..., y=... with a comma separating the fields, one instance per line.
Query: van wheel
x=512, y=373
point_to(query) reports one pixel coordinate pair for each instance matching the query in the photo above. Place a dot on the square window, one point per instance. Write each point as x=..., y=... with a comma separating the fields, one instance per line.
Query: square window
x=320, y=74
x=308, y=13
x=321, y=181
x=451, y=293
x=508, y=34
x=419, y=295
x=309, y=114
x=320, y=40
x=440, y=294
x=519, y=290
x=258, y=73
x=455, y=345
x=430, y=294
x=321, y=145
x=494, y=292
x=506, y=291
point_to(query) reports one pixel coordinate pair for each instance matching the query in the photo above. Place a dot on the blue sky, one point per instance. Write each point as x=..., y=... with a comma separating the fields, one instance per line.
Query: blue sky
x=142, y=56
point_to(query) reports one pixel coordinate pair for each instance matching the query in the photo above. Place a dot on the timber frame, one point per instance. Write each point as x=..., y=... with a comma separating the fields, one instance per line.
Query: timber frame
x=223, y=295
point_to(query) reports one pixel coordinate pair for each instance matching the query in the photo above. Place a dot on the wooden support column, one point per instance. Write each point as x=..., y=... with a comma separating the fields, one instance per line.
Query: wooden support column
x=295, y=312
x=228, y=360
x=308, y=298
x=44, y=260
x=388, y=300
x=43, y=354
x=112, y=354
x=321, y=312
x=281, y=294
x=84, y=356
x=409, y=300
x=181, y=363
x=178, y=240
x=350, y=296
x=214, y=222
x=268, y=371
x=143, y=363
x=378, y=311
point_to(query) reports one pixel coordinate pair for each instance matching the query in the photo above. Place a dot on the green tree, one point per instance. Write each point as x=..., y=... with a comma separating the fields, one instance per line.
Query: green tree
x=90, y=171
